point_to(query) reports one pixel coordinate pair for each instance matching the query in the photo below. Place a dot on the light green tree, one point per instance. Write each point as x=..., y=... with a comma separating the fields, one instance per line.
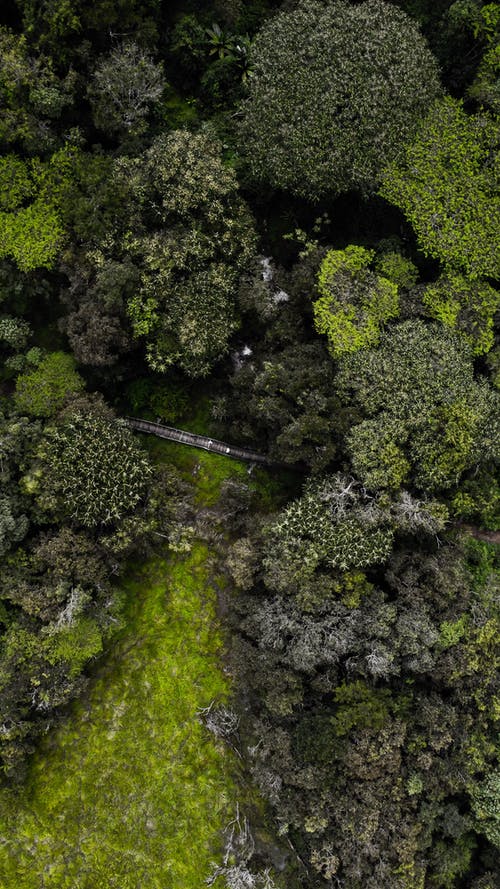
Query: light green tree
x=446, y=184
x=32, y=193
x=467, y=306
x=354, y=302
x=42, y=391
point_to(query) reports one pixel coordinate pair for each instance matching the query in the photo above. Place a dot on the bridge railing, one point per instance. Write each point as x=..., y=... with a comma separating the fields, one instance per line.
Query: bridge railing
x=197, y=441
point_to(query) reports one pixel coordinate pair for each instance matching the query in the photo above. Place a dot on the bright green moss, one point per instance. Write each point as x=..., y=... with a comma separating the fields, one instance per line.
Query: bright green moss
x=132, y=783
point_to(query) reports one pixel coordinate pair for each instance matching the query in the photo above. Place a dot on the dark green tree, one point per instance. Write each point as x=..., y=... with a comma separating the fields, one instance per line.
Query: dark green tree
x=90, y=470
x=335, y=90
x=31, y=95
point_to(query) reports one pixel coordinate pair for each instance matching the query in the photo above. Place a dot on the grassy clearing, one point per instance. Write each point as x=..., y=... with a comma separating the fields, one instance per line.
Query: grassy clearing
x=131, y=791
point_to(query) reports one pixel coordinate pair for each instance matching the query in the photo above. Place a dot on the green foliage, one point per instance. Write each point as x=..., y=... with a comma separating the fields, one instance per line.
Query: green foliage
x=456, y=437
x=188, y=48
x=354, y=302
x=467, y=306
x=486, y=86
x=126, y=83
x=90, y=469
x=15, y=437
x=74, y=645
x=165, y=399
x=31, y=94
x=485, y=798
x=446, y=185
x=397, y=268
x=330, y=524
x=92, y=207
x=377, y=449
x=393, y=691
x=14, y=332
x=32, y=234
x=43, y=391
x=453, y=631
x=286, y=401
x=360, y=706
x=17, y=184
x=426, y=418
x=191, y=264
x=56, y=26
x=335, y=89
x=478, y=499
x=13, y=522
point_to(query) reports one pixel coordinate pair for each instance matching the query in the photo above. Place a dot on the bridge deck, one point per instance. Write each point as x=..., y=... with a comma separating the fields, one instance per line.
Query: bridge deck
x=198, y=441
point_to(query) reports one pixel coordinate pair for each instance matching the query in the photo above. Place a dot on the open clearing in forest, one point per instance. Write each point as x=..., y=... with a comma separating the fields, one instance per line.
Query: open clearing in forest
x=131, y=791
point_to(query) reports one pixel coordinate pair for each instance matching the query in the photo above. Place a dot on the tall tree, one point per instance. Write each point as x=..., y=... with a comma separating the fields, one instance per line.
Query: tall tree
x=446, y=184
x=426, y=418
x=335, y=90
x=199, y=236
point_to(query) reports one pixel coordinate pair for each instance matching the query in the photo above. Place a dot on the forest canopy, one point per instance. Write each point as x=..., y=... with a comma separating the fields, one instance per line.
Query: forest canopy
x=273, y=225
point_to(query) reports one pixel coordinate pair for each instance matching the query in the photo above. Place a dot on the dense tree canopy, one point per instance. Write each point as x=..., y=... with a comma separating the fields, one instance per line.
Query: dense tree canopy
x=191, y=263
x=446, y=184
x=427, y=418
x=366, y=740
x=270, y=223
x=335, y=91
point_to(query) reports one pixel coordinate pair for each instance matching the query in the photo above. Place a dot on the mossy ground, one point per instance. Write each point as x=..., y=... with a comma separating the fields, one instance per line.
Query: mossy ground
x=131, y=792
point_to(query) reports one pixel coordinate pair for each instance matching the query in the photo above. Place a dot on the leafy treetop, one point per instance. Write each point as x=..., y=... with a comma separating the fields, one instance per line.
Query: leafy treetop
x=89, y=469
x=354, y=301
x=446, y=184
x=426, y=418
x=335, y=90
x=42, y=391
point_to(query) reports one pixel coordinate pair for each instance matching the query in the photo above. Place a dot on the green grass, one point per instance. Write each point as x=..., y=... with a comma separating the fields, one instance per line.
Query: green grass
x=131, y=791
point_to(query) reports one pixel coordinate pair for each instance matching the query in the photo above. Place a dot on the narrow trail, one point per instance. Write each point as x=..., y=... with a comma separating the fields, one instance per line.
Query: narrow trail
x=199, y=441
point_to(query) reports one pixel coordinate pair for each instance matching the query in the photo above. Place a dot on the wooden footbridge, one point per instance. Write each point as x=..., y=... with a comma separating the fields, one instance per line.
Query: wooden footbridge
x=199, y=441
